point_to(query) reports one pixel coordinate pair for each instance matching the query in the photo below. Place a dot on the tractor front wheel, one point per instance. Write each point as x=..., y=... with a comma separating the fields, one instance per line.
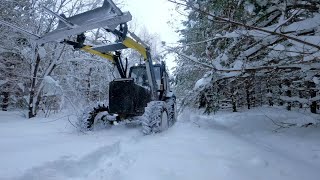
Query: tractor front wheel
x=155, y=118
x=172, y=111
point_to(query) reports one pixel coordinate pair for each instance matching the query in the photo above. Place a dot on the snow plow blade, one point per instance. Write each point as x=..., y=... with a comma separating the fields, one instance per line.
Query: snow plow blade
x=108, y=16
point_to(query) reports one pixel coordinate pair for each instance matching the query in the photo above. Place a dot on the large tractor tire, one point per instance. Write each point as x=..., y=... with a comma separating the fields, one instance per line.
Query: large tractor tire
x=94, y=118
x=155, y=118
x=172, y=111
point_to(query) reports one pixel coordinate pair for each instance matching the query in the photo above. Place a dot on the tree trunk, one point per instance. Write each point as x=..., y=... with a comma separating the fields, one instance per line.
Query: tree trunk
x=248, y=97
x=202, y=100
x=270, y=100
x=289, y=104
x=89, y=85
x=7, y=87
x=313, y=93
x=233, y=98
x=32, y=100
x=234, y=106
x=247, y=84
x=253, y=90
x=269, y=92
x=300, y=95
x=5, y=101
x=288, y=92
x=280, y=93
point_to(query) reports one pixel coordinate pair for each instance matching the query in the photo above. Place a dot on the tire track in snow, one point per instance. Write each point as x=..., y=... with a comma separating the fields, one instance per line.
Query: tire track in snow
x=67, y=168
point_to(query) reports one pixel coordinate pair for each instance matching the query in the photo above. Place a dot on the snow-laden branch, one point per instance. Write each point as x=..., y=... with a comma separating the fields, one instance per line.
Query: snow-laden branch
x=287, y=20
x=190, y=58
x=247, y=26
x=295, y=66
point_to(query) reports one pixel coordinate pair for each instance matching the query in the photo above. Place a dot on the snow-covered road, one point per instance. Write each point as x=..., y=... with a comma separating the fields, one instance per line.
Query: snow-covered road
x=225, y=146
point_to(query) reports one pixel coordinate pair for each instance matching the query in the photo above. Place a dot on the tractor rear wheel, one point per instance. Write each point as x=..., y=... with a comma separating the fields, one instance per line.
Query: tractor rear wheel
x=155, y=118
x=94, y=118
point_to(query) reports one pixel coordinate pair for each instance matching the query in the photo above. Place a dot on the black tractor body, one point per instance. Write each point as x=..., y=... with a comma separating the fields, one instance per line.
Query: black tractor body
x=130, y=96
x=127, y=98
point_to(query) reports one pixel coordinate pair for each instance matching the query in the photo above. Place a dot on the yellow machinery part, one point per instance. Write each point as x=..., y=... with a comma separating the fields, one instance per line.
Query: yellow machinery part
x=89, y=49
x=130, y=43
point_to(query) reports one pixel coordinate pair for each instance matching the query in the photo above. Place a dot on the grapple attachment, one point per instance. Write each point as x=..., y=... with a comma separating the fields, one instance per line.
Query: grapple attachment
x=108, y=16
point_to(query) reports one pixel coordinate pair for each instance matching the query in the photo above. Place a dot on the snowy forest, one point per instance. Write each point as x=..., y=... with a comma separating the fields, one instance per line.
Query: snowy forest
x=238, y=53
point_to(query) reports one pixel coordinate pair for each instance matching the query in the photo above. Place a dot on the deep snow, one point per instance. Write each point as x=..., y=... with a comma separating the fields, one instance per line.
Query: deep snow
x=224, y=146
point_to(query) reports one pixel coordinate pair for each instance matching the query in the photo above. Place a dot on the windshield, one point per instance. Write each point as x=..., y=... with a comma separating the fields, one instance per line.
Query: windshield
x=139, y=74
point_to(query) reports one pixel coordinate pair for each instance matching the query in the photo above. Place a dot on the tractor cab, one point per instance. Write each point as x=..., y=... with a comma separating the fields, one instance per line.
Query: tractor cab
x=139, y=75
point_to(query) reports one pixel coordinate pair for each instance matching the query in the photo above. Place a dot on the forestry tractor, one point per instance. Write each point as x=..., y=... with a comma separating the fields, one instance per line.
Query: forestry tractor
x=141, y=94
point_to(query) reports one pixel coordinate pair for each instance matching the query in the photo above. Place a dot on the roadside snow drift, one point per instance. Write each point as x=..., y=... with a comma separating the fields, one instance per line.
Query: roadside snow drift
x=226, y=146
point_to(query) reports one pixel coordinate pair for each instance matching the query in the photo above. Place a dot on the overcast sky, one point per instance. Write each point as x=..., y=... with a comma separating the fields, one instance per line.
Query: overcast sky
x=154, y=15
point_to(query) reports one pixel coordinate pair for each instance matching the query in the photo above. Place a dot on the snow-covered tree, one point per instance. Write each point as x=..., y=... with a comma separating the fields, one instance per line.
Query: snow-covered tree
x=40, y=61
x=250, y=43
x=13, y=67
